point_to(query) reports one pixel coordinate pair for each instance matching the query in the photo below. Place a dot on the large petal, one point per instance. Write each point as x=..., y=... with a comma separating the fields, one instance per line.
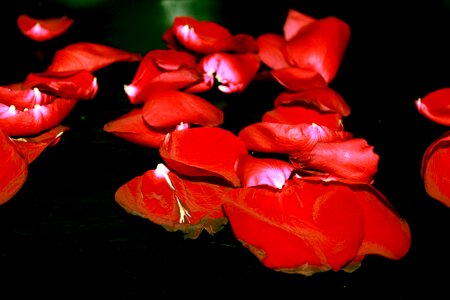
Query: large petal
x=350, y=160
x=287, y=138
x=132, y=127
x=435, y=169
x=168, y=108
x=90, y=57
x=204, y=151
x=43, y=29
x=435, y=106
x=306, y=227
x=14, y=169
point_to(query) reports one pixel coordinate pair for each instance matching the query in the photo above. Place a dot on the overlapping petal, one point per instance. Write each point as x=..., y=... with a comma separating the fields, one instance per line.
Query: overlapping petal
x=41, y=30
x=435, y=106
x=22, y=97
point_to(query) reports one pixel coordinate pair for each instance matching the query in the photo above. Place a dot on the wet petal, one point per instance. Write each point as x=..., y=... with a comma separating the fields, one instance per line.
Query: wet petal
x=90, y=57
x=287, y=138
x=14, y=169
x=170, y=107
x=435, y=106
x=306, y=227
x=133, y=128
x=43, y=29
x=435, y=169
x=204, y=151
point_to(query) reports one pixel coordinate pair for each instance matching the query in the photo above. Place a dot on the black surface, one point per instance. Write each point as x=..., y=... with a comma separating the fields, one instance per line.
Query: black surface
x=63, y=234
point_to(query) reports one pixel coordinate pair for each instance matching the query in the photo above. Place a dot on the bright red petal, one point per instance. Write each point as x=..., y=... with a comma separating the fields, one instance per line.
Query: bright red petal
x=435, y=106
x=295, y=21
x=204, y=151
x=299, y=79
x=168, y=108
x=435, y=169
x=22, y=97
x=287, y=138
x=43, y=29
x=14, y=169
x=89, y=56
x=272, y=51
x=133, y=128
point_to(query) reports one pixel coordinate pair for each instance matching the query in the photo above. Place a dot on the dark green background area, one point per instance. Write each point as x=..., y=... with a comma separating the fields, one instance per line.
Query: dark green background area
x=64, y=235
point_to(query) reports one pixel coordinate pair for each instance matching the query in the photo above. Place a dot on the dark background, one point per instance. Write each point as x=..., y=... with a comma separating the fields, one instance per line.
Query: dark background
x=64, y=235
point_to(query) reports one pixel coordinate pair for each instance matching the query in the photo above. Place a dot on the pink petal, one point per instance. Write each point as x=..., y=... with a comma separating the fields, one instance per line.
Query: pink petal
x=435, y=106
x=132, y=127
x=43, y=29
x=287, y=138
x=170, y=107
x=204, y=151
x=90, y=57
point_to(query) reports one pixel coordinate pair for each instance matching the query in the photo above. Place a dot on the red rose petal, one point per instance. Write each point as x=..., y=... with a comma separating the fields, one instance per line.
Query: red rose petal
x=43, y=29
x=435, y=106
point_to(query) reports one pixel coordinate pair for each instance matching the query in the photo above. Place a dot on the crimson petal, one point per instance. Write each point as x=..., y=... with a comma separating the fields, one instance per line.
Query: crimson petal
x=22, y=97
x=298, y=79
x=272, y=51
x=43, y=29
x=203, y=151
x=435, y=106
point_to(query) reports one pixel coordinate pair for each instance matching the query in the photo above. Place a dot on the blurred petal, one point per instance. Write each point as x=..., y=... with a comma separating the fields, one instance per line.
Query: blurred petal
x=132, y=127
x=89, y=56
x=435, y=169
x=203, y=151
x=435, y=106
x=287, y=138
x=14, y=169
x=43, y=29
x=170, y=107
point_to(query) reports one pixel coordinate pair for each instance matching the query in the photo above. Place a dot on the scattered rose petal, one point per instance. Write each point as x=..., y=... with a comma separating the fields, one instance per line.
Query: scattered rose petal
x=43, y=29
x=435, y=106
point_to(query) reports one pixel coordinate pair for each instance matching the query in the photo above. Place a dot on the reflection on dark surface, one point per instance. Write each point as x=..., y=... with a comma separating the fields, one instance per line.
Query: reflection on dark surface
x=64, y=234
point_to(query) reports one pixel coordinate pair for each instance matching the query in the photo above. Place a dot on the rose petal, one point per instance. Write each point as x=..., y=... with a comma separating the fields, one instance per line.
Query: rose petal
x=22, y=97
x=272, y=51
x=435, y=106
x=298, y=79
x=43, y=29
x=295, y=21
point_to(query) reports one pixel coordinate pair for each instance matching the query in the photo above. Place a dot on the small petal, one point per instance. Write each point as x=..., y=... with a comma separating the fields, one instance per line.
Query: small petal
x=43, y=29
x=435, y=106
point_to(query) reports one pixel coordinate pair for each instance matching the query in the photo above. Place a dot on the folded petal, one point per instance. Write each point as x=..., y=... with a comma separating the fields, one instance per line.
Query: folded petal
x=435, y=169
x=350, y=160
x=90, y=57
x=203, y=151
x=287, y=138
x=306, y=227
x=435, y=106
x=14, y=169
x=133, y=128
x=167, y=108
x=43, y=29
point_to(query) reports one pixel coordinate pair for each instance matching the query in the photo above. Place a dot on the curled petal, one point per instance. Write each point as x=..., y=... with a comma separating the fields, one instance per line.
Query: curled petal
x=306, y=227
x=89, y=56
x=203, y=151
x=233, y=71
x=254, y=171
x=435, y=169
x=43, y=29
x=22, y=97
x=132, y=127
x=170, y=107
x=14, y=169
x=272, y=51
x=303, y=114
x=287, y=138
x=80, y=85
x=15, y=122
x=325, y=99
x=350, y=160
x=435, y=106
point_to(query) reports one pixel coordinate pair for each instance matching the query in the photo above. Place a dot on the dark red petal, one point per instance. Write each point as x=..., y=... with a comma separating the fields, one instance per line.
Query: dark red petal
x=351, y=160
x=233, y=71
x=272, y=50
x=31, y=147
x=320, y=46
x=43, y=29
x=325, y=99
x=297, y=114
x=14, y=169
x=287, y=138
x=435, y=169
x=33, y=121
x=167, y=108
x=80, y=85
x=295, y=21
x=132, y=127
x=21, y=97
x=254, y=171
x=435, y=106
x=204, y=151
x=90, y=57
x=298, y=79
x=305, y=228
